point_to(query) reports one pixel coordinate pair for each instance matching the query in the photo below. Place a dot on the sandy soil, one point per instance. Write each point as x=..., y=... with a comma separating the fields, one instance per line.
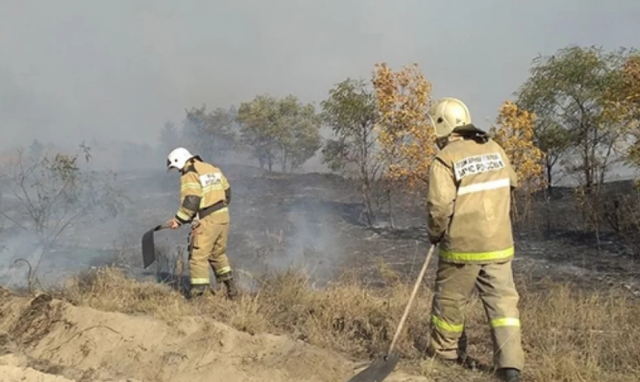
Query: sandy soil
x=51, y=341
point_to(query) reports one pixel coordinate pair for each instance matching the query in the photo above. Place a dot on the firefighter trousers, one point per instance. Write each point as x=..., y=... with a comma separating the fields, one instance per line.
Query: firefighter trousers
x=209, y=248
x=494, y=282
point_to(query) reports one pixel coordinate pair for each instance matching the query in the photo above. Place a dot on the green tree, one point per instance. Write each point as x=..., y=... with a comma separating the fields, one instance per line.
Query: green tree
x=351, y=112
x=260, y=128
x=570, y=94
x=210, y=133
x=300, y=137
x=281, y=131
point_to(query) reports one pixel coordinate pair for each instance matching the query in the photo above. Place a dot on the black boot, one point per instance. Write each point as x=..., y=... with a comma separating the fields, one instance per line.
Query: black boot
x=229, y=282
x=232, y=291
x=510, y=375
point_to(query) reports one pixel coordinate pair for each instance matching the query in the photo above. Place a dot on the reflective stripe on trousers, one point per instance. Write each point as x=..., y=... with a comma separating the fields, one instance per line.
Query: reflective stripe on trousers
x=454, y=286
x=459, y=328
x=505, y=321
x=442, y=324
x=477, y=256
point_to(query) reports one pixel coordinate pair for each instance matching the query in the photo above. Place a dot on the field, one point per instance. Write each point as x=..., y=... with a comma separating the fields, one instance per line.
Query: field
x=323, y=292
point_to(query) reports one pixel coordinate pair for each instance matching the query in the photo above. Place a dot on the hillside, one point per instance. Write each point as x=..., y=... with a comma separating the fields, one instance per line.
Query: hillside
x=323, y=292
x=52, y=338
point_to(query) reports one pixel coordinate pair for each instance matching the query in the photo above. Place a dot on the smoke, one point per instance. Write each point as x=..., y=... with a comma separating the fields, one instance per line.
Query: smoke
x=118, y=70
x=291, y=215
x=112, y=73
x=313, y=245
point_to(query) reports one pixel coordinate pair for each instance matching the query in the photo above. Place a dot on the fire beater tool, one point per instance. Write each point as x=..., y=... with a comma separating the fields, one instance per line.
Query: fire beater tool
x=148, y=245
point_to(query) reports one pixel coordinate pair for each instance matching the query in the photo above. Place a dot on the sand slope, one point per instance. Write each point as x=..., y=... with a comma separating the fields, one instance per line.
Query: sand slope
x=52, y=341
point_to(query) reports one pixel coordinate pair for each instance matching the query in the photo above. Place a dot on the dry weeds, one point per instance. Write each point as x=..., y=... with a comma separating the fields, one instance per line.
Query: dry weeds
x=569, y=334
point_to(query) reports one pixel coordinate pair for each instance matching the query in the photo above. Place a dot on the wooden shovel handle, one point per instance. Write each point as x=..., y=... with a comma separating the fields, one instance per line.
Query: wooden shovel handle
x=163, y=226
x=413, y=295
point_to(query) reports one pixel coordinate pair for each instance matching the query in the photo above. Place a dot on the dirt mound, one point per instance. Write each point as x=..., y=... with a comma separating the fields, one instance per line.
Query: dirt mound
x=15, y=368
x=48, y=340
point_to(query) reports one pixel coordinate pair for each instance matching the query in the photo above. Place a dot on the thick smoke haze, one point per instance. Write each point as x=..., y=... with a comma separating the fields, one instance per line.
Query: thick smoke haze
x=112, y=73
x=117, y=70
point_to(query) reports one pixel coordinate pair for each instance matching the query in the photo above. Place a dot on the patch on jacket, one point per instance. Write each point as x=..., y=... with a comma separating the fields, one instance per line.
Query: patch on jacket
x=478, y=164
x=210, y=179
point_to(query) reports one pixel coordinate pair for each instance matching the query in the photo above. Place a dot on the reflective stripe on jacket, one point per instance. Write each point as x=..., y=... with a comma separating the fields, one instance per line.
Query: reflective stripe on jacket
x=201, y=186
x=469, y=202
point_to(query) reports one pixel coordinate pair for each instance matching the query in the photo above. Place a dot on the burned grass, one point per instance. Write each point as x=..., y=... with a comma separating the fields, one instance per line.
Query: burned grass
x=586, y=330
x=35, y=320
x=570, y=334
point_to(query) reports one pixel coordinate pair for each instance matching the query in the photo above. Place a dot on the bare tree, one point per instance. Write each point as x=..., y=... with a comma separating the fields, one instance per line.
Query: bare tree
x=52, y=193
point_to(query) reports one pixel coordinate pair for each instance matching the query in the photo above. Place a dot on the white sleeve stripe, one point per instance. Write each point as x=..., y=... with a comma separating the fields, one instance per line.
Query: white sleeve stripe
x=484, y=186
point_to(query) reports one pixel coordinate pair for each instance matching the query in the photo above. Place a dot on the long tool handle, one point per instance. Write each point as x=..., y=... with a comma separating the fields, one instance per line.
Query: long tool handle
x=161, y=227
x=413, y=295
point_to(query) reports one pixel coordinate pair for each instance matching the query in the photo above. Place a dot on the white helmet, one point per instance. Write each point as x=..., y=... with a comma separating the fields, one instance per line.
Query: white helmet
x=178, y=158
x=447, y=114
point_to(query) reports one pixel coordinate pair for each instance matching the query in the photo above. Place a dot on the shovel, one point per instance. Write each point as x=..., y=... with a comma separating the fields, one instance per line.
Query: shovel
x=381, y=368
x=148, y=246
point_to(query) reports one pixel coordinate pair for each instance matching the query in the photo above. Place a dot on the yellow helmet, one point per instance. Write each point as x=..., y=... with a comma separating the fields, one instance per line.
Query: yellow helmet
x=447, y=114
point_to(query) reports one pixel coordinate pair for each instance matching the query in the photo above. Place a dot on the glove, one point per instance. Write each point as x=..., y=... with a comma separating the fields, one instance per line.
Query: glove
x=435, y=240
x=173, y=223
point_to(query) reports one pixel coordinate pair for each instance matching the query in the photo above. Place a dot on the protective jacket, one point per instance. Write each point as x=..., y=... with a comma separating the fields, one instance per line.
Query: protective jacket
x=205, y=192
x=469, y=199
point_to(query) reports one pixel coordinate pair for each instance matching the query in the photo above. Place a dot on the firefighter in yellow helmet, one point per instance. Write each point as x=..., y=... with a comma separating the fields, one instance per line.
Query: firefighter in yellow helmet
x=204, y=196
x=470, y=185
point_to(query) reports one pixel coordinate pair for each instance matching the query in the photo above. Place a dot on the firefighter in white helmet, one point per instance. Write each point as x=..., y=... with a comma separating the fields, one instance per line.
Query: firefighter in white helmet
x=469, y=199
x=205, y=194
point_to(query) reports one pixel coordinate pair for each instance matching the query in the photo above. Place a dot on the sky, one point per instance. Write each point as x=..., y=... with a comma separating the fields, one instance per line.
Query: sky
x=119, y=69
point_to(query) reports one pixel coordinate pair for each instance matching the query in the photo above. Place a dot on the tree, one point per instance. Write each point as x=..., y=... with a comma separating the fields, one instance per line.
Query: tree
x=53, y=193
x=36, y=150
x=210, y=134
x=169, y=138
x=631, y=80
x=570, y=92
x=281, y=131
x=629, y=105
x=233, y=112
x=300, y=138
x=259, y=128
x=351, y=112
x=406, y=137
x=407, y=141
x=514, y=131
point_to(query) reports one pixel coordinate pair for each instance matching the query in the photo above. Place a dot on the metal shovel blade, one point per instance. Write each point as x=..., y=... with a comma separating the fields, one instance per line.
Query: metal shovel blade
x=378, y=370
x=381, y=368
x=148, y=246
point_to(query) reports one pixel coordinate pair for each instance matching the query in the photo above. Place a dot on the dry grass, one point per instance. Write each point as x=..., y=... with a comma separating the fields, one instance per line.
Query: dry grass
x=570, y=334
